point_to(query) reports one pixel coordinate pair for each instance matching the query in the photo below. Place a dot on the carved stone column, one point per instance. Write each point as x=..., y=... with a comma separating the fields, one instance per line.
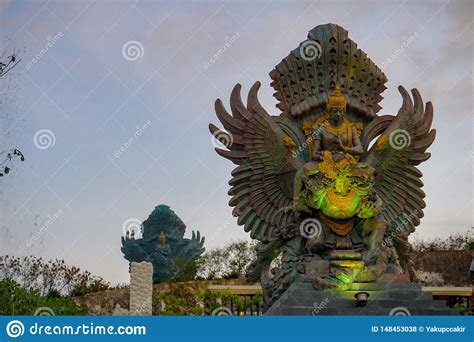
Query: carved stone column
x=141, y=288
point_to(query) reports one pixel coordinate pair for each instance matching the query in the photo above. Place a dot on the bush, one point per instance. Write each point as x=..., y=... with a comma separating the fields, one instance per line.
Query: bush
x=52, y=277
x=14, y=300
x=228, y=262
x=455, y=242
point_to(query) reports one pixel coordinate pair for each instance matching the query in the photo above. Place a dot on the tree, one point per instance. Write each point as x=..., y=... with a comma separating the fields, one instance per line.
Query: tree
x=7, y=63
x=48, y=278
x=454, y=242
x=231, y=261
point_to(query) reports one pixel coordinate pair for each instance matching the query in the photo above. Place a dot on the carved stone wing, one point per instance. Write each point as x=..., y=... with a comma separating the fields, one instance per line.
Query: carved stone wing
x=262, y=182
x=395, y=155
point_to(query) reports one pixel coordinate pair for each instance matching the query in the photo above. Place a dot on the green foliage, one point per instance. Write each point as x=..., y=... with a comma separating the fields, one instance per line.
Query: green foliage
x=49, y=278
x=181, y=300
x=6, y=157
x=183, y=269
x=15, y=300
x=203, y=303
x=455, y=242
x=231, y=261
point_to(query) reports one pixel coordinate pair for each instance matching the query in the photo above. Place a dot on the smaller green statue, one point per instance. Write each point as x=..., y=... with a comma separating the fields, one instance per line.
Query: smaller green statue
x=163, y=244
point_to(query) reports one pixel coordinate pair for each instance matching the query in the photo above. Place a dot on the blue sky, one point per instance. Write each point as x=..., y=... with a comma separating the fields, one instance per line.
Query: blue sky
x=93, y=99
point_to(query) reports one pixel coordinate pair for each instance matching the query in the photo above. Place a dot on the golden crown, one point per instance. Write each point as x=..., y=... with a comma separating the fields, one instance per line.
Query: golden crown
x=337, y=99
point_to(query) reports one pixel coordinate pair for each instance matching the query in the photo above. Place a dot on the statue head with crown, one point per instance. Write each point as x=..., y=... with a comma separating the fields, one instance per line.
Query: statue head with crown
x=336, y=106
x=307, y=184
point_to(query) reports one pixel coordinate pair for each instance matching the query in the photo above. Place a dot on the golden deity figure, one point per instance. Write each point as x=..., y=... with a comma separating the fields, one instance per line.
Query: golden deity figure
x=333, y=132
x=327, y=182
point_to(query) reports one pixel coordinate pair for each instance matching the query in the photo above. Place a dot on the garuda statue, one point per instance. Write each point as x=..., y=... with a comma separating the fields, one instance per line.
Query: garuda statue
x=163, y=244
x=328, y=185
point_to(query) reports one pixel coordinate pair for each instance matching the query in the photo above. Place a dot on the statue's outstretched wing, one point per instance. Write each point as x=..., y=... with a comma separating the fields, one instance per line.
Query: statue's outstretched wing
x=262, y=182
x=395, y=155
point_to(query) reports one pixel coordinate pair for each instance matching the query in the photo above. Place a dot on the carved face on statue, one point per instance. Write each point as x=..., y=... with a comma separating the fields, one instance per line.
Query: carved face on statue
x=336, y=106
x=342, y=189
x=336, y=115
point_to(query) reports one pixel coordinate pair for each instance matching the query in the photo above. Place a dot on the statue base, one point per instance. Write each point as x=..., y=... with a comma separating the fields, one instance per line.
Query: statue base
x=386, y=297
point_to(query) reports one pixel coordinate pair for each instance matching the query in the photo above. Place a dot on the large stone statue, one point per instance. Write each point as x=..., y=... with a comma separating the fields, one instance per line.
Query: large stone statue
x=309, y=187
x=163, y=244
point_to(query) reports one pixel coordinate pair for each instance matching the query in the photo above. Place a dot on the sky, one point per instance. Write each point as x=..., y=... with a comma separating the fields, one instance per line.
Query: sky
x=111, y=103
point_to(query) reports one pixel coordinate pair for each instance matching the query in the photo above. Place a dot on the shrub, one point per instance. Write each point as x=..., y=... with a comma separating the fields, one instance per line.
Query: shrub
x=14, y=300
x=49, y=277
x=231, y=261
x=454, y=242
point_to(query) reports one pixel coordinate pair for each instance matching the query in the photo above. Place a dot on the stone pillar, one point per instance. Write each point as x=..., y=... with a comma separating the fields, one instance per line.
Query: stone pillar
x=141, y=288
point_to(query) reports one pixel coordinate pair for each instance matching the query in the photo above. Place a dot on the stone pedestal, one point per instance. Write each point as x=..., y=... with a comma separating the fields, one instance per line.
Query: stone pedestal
x=141, y=288
x=390, y=298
